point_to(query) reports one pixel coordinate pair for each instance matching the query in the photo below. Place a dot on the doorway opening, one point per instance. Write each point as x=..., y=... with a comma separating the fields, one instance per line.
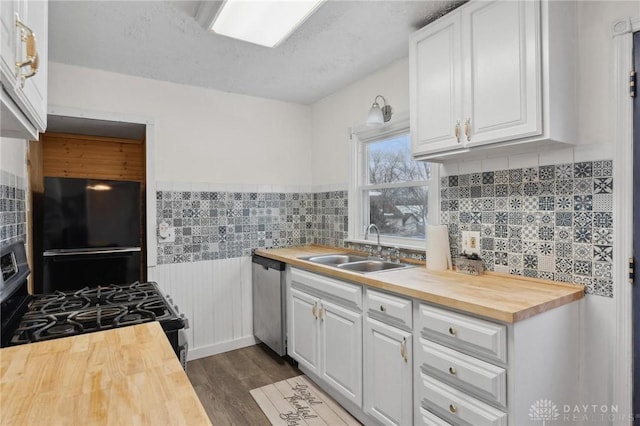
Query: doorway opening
x=73, y=158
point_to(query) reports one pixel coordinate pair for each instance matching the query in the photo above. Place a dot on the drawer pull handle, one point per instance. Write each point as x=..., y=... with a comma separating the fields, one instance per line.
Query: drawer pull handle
x=452, y=371
x=453, y=408
x=321, y=312
x=456, y=131
x=403, y=349
x=313, y=311
x=381, y=308
x=452, y=331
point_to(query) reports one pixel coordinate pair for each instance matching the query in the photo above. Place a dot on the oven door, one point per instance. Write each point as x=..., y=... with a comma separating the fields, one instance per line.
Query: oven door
x=68, y=271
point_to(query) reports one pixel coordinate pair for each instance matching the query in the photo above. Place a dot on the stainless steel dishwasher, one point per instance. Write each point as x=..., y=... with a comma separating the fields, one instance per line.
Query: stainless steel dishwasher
x=269, y=312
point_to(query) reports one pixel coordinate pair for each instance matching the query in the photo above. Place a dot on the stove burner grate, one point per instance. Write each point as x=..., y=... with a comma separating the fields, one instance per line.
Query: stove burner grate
x=61, y=329
x=64, y=314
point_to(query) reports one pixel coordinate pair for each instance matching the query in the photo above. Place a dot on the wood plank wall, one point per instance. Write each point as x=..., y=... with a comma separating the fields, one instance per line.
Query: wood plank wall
x=34, y=215
x=78, y=156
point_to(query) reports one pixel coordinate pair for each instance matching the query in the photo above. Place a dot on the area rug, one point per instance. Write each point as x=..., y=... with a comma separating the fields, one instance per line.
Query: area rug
x=297, y=401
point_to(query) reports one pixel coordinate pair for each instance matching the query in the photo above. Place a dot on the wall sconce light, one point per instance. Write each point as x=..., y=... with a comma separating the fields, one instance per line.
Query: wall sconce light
x=378, y=116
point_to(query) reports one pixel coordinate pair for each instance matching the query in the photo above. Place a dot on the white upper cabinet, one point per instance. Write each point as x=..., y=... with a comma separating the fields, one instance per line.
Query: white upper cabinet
x=436, y=87
x=493, y=75
x=502, y=60
x=23, y=67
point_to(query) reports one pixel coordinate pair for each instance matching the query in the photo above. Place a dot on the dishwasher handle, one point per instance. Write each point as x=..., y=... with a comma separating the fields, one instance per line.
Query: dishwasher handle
x=268, y=263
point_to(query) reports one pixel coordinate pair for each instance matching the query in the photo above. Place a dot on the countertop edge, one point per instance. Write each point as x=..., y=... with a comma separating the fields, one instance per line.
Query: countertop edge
x=126, y=357
x=376, y=280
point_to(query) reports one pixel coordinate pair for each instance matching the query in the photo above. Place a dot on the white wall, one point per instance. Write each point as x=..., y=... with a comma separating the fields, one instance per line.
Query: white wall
x=333, y=115
x=13, y=156
x=202, y=135
x=595, y=78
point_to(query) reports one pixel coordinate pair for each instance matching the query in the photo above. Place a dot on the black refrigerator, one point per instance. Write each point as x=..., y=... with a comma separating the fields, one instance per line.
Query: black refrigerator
x=91, y=233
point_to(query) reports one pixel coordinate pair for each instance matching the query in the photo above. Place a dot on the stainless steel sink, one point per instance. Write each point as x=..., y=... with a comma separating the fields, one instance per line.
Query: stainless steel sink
x=354, y=263
x=334, y=259
x=372, y=266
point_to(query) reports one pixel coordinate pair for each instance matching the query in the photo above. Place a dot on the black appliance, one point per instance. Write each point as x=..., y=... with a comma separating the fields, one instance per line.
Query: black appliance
x=91, y=233
x=34, y=318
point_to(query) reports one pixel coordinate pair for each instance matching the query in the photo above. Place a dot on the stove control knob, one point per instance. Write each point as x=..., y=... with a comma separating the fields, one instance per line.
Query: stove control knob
x=186, y=321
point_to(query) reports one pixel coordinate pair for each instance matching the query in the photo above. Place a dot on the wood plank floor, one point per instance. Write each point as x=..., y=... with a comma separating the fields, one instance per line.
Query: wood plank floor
x=223, y=382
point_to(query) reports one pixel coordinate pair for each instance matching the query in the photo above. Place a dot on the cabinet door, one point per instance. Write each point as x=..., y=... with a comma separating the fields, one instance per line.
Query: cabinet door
x=387, y=373
x=8, y=43
x=341, y=357
x=32, y=96
x=436, y=86
x=303, y=337
x=502, y=93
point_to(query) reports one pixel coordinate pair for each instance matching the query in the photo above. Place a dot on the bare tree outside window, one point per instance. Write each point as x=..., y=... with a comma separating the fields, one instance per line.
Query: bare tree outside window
x=395, y=188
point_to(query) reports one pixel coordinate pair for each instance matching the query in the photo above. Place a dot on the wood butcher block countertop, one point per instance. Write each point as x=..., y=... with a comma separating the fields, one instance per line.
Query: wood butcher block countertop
x=503, y=297
x=125, y=376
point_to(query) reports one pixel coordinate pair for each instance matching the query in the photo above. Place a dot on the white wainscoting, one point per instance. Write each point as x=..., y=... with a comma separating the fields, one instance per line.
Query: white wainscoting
x=215, y=296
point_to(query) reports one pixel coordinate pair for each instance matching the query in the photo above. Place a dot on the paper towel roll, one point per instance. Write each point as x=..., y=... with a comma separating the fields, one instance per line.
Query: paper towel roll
x=438, y=253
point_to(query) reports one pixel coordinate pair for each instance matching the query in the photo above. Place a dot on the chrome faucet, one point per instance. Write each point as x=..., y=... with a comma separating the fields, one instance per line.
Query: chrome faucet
x=366, y=236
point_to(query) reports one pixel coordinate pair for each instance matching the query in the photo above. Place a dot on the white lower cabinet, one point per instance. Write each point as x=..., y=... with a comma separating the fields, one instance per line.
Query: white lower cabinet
x=341, y=349
x=427, y=418
x=411, y=362
x=465, y=371
x=388, y=373
x=473, y=371
x=326, y=338
x=454, y=382
x=304, y=332
x=466, y=409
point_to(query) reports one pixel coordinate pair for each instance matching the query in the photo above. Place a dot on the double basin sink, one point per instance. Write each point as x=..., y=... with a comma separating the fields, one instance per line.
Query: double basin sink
x=354, y=263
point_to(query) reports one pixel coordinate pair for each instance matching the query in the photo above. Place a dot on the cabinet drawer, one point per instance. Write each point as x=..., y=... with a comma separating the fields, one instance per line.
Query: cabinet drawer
x=349, y=294
x=456, y=405
x=389, y=307
x=427, y=418
x=480, y=377
x=476, y=335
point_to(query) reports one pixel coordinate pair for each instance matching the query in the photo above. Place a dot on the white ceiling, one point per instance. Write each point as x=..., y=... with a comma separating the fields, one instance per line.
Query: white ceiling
x=341, y=43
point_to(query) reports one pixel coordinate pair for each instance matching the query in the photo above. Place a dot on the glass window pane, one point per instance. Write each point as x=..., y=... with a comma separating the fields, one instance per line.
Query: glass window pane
x=389, y=161
x=398, y=212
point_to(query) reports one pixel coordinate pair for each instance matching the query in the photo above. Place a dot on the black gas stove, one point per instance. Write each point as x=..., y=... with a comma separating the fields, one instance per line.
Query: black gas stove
x=34, y=318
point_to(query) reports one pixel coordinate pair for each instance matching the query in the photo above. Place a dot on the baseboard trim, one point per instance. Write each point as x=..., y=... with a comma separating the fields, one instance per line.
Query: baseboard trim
x=218, y=348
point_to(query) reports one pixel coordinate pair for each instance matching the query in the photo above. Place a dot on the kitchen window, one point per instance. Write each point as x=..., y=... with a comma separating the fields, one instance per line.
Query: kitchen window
x=388, y=187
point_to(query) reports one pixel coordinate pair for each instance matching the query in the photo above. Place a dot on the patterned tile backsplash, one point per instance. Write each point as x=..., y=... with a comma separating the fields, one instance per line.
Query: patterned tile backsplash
x=220, y=225
x=13, y=210
x=553, y=222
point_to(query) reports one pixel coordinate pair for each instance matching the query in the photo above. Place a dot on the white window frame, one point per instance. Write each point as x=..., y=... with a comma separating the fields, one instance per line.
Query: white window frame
x=360, y=135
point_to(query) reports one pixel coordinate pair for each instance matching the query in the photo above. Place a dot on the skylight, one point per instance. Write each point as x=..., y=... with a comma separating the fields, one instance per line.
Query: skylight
x=263, y=22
